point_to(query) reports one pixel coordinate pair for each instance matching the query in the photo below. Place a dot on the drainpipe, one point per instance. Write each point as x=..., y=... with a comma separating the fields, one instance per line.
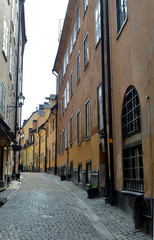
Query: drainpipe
x=149, y=130
x=56, y=121
x=112, y=195
x=104, y=103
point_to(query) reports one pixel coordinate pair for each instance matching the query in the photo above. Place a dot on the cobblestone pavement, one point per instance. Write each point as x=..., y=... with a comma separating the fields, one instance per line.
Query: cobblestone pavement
x=43, y=207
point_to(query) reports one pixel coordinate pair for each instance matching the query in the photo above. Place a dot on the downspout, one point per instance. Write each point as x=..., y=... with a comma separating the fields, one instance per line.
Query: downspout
x=39, y=150
x=55, y=172
x=112, y=195
x=149, y=131
x=104, y=103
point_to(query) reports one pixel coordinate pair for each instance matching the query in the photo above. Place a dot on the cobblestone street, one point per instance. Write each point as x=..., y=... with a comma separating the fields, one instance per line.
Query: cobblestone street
x=43, y=207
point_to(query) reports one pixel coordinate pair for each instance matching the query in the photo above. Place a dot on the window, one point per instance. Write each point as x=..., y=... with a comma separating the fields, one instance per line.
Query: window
x=132, y=150
x=11, y=63
x=62, y=104
x=131, y=119
x=64, y=67
x=74, y=31
x=85, y=5
x=122, y=13
x=65, y=100
x=53, y=151
x=5, y=40
x=100, y=108
x=133, y=169
x=71, y=130
x=12, y=14
x=50, y=127
x=78, y=68
x=60, y=144
x=87, y=116
x=71, y=83
x=88, y=172
x=66, y=56
x=78, y=127
x=86, y=52
x=53, y=124
x=3, y=93
x=60, y=110
x=67, y=92
x=78, y=19
x=97, y=23
x=80, y=172
x=65, y=135
x=63, y=144
x=71, y=43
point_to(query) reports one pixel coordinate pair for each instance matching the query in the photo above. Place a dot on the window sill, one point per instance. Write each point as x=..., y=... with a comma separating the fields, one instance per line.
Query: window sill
x=132, y=193
x=78, y=144
x=86, y=66
x=120, y=30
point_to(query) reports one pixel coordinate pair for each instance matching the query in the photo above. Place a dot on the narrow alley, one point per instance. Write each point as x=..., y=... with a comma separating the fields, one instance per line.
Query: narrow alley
x=40, y=206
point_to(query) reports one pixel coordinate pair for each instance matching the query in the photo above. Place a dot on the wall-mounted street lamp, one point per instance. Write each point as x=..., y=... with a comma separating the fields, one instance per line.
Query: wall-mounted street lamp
x=20, y=99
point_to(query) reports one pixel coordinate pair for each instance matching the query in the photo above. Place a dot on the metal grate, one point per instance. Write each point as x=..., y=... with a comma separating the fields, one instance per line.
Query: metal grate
x=131, y=121
x=133, y=169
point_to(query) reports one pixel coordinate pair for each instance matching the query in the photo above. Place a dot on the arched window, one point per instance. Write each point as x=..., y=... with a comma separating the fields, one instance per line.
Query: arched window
x=132, y=142
x=131, y=120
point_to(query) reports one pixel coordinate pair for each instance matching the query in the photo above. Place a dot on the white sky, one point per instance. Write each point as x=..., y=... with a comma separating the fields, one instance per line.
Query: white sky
x=42, y=23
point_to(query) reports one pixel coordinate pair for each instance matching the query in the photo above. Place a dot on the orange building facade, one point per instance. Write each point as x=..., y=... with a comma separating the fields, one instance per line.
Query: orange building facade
x=105, y=100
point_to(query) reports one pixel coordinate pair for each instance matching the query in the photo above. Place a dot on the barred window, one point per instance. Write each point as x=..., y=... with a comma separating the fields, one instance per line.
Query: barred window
x=131, y=119
x=133, y=169
x=132, y=153
x=88, y=172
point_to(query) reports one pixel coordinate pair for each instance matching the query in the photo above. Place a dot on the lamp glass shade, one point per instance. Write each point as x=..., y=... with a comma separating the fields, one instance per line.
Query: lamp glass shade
x=21, y=99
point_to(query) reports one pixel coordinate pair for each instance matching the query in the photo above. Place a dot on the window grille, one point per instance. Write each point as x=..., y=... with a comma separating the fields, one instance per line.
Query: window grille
x=133, y=169
x=131, y=119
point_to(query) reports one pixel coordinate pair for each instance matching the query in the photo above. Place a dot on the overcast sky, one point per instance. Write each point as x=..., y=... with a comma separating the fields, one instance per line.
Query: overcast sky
x=42, y=23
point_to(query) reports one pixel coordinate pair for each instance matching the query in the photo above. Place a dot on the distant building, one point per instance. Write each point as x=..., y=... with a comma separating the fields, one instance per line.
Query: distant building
x=39, y=138
x=12, y=42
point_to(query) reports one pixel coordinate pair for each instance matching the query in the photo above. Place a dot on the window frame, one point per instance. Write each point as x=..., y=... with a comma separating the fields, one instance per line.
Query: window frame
x=78, y=67
x=97, y=23
x=86, y=51
x=85, y=6
x=121, y=26
x=79, y=127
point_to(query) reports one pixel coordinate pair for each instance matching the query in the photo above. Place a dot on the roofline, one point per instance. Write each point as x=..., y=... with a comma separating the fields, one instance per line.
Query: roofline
x=65, y=33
